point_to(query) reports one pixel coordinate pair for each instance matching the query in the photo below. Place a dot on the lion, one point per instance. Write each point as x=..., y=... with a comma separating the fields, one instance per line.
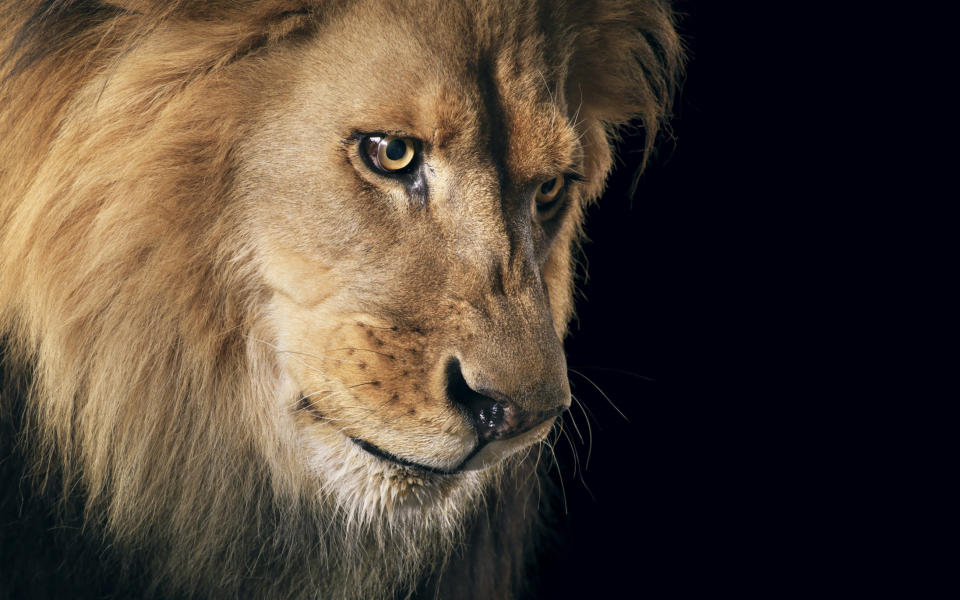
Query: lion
x=284, y=285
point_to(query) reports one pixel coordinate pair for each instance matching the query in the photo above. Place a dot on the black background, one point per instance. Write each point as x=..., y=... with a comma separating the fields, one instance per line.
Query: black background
x=693, y=324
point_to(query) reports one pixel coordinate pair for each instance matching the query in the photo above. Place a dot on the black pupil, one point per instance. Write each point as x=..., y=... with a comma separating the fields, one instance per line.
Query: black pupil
x=548, y=186
x=396, y=149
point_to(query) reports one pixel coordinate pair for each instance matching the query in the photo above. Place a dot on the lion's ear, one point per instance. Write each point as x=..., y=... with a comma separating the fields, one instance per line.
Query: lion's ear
x=273, y=19
x=211, y=7
x=626, y=63
x=212, y=33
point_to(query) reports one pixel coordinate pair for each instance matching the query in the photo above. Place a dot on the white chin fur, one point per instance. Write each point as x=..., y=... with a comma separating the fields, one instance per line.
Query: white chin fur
x=368, y=489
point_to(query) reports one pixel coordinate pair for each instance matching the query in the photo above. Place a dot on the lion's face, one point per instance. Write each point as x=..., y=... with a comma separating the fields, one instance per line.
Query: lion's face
x=278, y=268
x=412, y=217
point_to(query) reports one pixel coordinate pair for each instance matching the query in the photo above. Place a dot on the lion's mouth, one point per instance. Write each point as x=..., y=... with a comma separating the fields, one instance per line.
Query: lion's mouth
x=483, y=454
x=383, y=454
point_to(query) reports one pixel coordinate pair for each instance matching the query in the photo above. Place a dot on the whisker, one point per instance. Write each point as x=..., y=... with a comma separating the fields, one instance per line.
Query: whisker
x=533, y=473
x=563, y=488
x=318, y=357
x=620, y=371
x=576, y=115
x=602, y=393
x=391, y=328
x=578, y=471
x=586, y=418
x=386, y=354
x=299, y=353
x=573, y=422
x=587, y=411
x=372, y=410
x=573, y=450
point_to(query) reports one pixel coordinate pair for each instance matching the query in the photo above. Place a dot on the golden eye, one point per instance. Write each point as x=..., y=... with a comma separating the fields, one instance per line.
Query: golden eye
x=390, y=153
x=548, y=191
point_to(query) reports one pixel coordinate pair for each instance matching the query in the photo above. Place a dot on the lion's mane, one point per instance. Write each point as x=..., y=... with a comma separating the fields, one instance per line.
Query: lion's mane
x=133, y=391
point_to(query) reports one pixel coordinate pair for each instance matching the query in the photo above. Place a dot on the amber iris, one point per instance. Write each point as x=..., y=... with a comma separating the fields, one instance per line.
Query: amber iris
x=549, y=191
x=389, y=153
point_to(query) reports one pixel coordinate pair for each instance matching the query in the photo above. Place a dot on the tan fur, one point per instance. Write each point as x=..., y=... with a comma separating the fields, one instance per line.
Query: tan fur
x=188, y=246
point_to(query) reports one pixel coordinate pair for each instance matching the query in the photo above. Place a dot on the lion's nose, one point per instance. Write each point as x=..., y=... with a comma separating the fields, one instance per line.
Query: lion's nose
x=493, y=414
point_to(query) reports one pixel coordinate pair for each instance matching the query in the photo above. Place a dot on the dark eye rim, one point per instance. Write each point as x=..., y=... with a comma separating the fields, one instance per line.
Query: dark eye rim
x=548, y=211
x=363, y=140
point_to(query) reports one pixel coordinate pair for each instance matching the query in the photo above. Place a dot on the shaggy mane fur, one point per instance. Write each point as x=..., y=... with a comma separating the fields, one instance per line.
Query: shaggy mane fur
x=135, y=394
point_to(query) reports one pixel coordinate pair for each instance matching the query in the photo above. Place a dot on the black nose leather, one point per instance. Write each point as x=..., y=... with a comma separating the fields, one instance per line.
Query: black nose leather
x=493, y=415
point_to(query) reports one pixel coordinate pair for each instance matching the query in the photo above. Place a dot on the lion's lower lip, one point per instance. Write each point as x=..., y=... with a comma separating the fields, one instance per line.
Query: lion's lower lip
x=380, y=453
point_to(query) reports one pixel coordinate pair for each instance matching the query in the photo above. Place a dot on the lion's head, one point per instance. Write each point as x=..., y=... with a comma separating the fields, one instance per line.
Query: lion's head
x=293, y=276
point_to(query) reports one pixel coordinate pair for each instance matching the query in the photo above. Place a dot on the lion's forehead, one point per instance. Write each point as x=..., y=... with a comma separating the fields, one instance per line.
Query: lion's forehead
x=453, y=84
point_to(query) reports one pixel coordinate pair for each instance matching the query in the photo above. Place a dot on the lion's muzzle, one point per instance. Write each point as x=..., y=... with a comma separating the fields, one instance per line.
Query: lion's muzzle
x=509, y=384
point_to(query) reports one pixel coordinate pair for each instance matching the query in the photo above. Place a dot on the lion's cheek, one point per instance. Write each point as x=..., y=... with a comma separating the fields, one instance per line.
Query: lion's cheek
x=302, y=280
x=368, y=381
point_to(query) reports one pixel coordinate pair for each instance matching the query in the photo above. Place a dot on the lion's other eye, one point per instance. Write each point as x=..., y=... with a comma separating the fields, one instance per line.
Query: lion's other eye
x=389, y=153
x=548, y=192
